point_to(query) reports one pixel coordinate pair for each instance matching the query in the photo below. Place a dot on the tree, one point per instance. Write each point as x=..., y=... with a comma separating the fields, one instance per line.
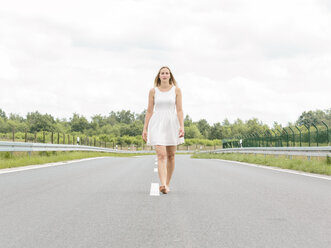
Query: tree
x=253, y=126
x=38, y=122
x=192, y=132
x=238, y=128
x=141, y=116
x=187, y=121
x=307, y=118
x=125, y=116
x=226, y=122
x=78, y=123
x=98, y=121
x=203, y=127
x=3, y=114
x=216, y=131
x=3, y=126
x=112, y=118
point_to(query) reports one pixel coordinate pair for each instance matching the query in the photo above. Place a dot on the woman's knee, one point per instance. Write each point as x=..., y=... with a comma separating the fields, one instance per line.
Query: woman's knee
x=171, y=156
x=162, y=156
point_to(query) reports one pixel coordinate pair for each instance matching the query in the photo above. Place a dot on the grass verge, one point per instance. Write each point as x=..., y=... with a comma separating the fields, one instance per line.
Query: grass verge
x=16, y=159
x=319, y=165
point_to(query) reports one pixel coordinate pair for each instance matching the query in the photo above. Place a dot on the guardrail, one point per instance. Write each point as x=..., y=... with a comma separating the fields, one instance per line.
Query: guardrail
x=6, y=146
x=295, y=151
x=30, y=147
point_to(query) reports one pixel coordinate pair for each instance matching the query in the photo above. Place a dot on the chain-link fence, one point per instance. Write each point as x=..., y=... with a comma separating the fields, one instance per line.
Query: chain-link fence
x=306, y=135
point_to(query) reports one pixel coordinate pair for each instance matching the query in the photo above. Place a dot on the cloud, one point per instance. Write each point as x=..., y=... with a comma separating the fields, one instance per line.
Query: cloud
x=232, y=59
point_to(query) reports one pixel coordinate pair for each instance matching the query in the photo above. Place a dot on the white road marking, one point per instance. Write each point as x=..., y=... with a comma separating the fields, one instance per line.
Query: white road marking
x=155, y=163
x=155, y=169
x=155, y=189
x=279, y=169
x=31, y=167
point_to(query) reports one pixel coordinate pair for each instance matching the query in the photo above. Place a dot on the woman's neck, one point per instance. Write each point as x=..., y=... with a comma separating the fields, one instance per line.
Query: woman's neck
x=165, y=84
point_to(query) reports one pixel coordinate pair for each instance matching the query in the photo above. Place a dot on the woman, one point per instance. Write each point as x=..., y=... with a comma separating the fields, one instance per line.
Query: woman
x=164, y=123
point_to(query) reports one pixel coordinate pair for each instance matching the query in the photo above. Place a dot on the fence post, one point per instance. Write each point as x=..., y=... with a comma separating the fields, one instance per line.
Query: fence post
x=58, y=137
x=292, y=135
x=26, y=136
x=68, y=139
x=52, y=136
x=270, y=137
x=327, y=132
x=286, y=137
x=257, y=136
x=265, y=135
x=308, y=128
x=280, y=138
x=35, y=137
x=316, y=133
x=261, y=139
x=43, y=136
x=64, y=138
x=275, y=136
x=300, y=134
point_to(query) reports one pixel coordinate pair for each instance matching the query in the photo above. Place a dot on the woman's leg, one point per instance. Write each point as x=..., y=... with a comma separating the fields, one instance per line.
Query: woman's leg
x=171, y=150
x=162, y=160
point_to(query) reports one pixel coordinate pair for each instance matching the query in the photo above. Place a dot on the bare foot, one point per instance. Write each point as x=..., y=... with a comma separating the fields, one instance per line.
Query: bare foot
x=167, y=188
x=163, y=189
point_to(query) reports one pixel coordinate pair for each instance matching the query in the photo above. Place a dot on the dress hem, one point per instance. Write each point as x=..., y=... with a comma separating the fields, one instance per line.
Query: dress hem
x=164, y=144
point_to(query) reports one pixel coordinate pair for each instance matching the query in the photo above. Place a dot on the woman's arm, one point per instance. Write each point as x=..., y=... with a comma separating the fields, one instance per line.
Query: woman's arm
x=149, y=112
x=179, y=109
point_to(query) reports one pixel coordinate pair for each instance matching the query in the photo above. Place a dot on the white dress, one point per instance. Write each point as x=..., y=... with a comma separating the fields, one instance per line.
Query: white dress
x=163, y=127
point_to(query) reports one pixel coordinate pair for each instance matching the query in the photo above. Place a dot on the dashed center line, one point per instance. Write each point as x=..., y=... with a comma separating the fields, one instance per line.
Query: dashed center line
x=154, y=189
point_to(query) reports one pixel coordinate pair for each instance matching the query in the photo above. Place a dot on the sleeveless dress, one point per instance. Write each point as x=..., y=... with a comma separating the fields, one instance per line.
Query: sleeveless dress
x=163, y=126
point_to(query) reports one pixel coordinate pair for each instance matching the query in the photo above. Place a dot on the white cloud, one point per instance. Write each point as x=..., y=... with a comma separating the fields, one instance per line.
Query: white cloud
x=232, y=59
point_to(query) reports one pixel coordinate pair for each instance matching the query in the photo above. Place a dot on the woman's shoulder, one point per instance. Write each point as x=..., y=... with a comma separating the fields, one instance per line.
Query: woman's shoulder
x=152, y=91
x=177, y=90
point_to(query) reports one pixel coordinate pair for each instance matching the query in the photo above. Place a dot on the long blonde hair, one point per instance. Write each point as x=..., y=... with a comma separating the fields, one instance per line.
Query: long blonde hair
x=157, y=81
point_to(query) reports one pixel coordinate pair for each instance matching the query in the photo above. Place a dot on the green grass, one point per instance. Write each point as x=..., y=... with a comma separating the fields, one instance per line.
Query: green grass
x=16, y=159
x=319, y=165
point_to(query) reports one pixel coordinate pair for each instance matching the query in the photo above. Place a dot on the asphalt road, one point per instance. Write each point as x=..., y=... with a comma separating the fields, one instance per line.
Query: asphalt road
x=106, y=202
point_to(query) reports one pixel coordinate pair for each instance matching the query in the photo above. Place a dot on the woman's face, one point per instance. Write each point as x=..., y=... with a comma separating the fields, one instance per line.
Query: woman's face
x=164, y=74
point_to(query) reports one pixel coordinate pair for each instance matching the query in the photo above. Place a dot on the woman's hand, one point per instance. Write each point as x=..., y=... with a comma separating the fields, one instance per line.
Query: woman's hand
x=181, y=132
x=144, y=135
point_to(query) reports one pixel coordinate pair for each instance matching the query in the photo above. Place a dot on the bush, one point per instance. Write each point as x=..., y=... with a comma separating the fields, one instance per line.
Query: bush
x=45, y=153
x=8, y=155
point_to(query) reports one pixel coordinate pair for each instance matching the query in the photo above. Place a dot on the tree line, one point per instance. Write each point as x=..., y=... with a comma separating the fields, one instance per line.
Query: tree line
x=127, y=123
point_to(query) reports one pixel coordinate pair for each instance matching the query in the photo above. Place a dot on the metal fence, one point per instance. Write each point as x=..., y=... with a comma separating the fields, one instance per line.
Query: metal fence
x=32, y=147
x=289, y=151
x=119, y=143
x=292, y=136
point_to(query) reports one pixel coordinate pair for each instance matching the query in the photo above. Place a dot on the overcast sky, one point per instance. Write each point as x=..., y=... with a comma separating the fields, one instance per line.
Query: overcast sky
x=231, y=58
